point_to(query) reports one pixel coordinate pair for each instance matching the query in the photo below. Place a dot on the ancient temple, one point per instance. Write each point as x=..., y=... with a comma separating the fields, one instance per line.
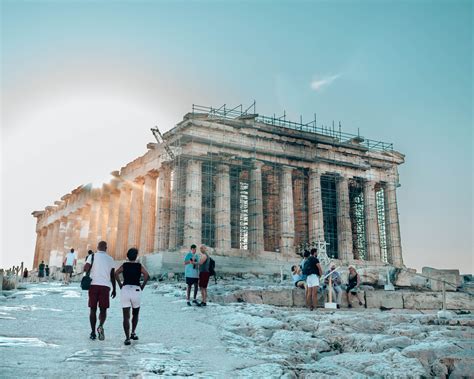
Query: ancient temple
x=248, y=186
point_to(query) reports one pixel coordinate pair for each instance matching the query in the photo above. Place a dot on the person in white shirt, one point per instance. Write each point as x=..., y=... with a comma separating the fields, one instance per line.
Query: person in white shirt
x=69, y=264
x=102, y=273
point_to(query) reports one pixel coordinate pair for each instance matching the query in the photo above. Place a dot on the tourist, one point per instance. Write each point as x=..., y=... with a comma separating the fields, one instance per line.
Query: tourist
x=297, y=276
x=306, y=255
x=69, y=264
x=191, y=274
x=102, y=273
x=131, y=291
x=25, y=275
x=353, y=286
x=46, y=272
x=336, y=282
x=204, y=274
x=312, y=269
x=41, y=271
x=89, y=253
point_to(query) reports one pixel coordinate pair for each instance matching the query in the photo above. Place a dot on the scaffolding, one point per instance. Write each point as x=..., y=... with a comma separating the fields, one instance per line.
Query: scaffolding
x=209, y=155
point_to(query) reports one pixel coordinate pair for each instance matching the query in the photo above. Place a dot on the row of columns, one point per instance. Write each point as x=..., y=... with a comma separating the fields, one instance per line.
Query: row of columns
x=193, y=208
x=144, y=214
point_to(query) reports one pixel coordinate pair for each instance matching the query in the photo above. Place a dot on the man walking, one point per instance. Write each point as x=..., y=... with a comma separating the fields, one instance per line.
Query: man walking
x=191, y=274
x=102, y=273
x=69, y=264
x=313, y=270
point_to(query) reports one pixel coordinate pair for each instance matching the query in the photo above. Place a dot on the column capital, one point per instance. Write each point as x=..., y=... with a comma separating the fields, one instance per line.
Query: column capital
x=124, y=187
x=139, y=180
x=223, y=168
x=287, y=169
x=152, y=174
x=257, y=165
x=316, y=171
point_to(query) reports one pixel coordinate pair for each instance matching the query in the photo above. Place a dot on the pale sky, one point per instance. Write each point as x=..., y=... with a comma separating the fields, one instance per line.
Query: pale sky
x=82, y=83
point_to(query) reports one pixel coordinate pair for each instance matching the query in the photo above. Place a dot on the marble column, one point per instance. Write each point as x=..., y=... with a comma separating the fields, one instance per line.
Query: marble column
x=76, y=232
x=287, y=218
x=123, y=221
x=344, y=227
x=93, y=224
x=300, y=208
x=62, y=238
x=112, y=224
x=392, y=226
x=84, y=232
x=372, y=238
x=103, y=217
x=38, y=248
x=136, y=208
x=193, y=204
x=175, y=203
x=147, y=236
x=255, y=204
x=48, y=244
x=315, y=212
x=163, y=224
x=68, y=240
x=222, y=208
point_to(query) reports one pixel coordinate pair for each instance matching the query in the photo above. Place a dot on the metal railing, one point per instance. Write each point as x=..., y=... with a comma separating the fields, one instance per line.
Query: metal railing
x=335, y=133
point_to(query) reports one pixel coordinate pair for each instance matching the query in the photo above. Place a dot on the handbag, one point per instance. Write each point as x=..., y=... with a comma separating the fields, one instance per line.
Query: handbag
x=86, y=279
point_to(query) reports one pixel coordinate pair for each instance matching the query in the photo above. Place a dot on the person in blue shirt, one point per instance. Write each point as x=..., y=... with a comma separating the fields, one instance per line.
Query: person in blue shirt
x=191, y=273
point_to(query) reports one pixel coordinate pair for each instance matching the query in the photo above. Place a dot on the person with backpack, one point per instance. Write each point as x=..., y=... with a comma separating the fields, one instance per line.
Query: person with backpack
x=312, y=269
x=204, y=274
x=191, y=273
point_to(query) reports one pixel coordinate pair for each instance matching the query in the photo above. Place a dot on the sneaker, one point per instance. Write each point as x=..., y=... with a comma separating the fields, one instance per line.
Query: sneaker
x=134, y=337
x=199, y=304
x=195, y=302
x=189, y=303
x=203, y=304
x=349, y=306
x=92, y=336
x=100, y=332
x=127, y=342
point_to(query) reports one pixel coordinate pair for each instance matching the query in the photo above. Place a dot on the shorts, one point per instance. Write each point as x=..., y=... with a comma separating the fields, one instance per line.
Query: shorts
x=312, y=280
x=204, y=279
x=352, y=290
x=130, y=296
x=68, y=269
x=100, y=295
x=298, y=282
x=191, y=281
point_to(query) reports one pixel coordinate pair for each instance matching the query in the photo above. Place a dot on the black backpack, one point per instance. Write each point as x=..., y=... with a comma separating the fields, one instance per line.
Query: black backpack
x=309, y=266
x=212, y=268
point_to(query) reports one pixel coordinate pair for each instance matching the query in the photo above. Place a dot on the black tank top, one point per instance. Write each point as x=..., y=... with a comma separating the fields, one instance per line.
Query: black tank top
x=131, y=273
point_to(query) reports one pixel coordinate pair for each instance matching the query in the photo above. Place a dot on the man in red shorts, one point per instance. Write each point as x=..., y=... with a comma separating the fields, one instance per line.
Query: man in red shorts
x=102, y=272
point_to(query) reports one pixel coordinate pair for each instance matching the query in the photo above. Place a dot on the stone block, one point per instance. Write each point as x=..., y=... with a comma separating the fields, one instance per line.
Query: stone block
x=434, y=300
x=377, y=299
x=279, y=297
x=250, y=296
x=409, y=278
x=299, y=297
x=450, y=276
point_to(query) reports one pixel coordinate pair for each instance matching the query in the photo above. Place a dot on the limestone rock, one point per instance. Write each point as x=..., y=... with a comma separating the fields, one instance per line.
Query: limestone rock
x=386, y=299
x=450, y=276
x=280, y=297
x=409, y=278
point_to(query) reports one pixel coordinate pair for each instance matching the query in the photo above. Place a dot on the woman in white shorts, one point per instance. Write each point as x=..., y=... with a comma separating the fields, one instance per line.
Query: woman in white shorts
x=131, y=293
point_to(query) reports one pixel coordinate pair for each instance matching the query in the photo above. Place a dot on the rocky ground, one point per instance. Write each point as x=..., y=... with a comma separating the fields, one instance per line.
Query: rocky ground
x=44, y=334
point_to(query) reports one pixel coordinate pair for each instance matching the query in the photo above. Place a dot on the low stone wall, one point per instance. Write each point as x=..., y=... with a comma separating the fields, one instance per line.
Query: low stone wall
x=295, y=297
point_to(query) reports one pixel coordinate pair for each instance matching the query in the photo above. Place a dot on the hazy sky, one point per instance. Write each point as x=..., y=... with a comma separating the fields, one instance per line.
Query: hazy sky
x=83, y=81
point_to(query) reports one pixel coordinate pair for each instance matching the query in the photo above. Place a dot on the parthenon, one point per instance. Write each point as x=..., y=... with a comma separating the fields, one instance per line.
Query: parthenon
x=248, y=186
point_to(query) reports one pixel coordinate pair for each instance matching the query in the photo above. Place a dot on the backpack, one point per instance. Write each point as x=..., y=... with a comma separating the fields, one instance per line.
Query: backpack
x=307, y=267
x=212, y=268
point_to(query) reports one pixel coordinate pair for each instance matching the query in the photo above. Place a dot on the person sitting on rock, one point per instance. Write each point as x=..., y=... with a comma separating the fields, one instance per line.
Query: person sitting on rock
x=297, y=276
x=353, y=286
x=336, y=282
